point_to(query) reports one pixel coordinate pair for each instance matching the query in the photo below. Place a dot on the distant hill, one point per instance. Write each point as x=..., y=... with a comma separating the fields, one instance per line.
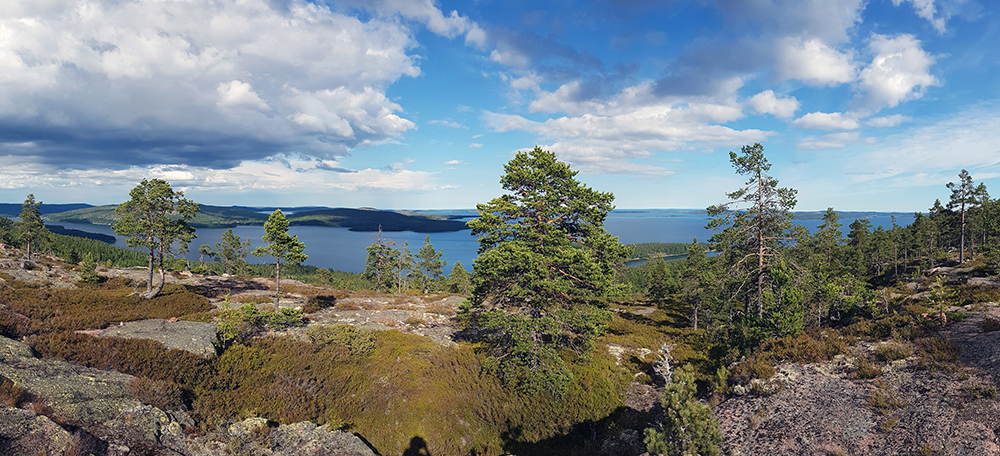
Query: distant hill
x=370, y=220
x=224, y=217
x=14, y=209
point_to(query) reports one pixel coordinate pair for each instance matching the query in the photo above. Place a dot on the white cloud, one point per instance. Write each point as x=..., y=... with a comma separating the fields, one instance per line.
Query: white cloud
x=447, y=123
x=828, y=20
x=187, y=76
x=239, y=94
x=813, y=62
x=617, y=136
x=767, y=103
x=830, y=141
x=887, y=121
x=927, y=10
x=900, y=71
x=455, y=163
x=475, y=145
x=826, y=121
x=966, y=140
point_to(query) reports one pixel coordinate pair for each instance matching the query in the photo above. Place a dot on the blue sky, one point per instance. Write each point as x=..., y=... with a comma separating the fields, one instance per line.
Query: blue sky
x=418, y=104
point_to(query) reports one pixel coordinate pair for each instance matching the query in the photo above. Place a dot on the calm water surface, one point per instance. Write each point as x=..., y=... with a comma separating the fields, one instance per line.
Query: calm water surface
x=344, y=250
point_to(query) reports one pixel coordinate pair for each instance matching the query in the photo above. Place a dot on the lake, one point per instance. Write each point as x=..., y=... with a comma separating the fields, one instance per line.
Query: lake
x=344, y=250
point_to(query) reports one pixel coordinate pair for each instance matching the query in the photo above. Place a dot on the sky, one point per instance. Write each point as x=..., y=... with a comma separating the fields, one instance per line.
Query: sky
x=418, y=104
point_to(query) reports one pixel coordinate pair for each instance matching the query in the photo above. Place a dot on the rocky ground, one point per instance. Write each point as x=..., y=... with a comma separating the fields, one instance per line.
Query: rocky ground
x=910, y=409
x=810, y=409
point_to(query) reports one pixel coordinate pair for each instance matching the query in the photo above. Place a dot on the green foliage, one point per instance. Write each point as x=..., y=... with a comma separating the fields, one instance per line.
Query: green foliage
x=358, y=342
x=280, y=246
x=763, y=287
x=230, y=252
x=936, y=353
x=688, y=427
x=88, y=270
x=31, y=226
x=161, y=394
x=382, y=266
x=428, y=265
x=546, y=266
x=247, y=322
x=459, y=280
x=659, y=249
x=866, y=369
x=154, y=218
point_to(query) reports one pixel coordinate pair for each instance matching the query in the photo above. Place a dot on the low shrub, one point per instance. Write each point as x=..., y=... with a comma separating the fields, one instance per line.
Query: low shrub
x=318, y=303
x=981, y=391
x=754, y=367
x=359, y=342
x=164, y=395
x=892, y=351
x=248, y=322
x=884, y=398
x=990, y=325
x=866, y=369
x=936, y=353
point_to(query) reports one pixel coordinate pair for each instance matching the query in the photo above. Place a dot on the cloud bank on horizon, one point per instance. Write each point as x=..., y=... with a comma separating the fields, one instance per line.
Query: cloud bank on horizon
x=418, y=103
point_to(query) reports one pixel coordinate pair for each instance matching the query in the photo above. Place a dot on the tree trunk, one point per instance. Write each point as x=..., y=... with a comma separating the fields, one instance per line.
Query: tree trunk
x=150, y=291
x=277, y=284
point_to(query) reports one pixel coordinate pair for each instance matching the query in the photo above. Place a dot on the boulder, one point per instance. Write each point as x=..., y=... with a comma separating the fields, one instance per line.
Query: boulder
x=195, y=337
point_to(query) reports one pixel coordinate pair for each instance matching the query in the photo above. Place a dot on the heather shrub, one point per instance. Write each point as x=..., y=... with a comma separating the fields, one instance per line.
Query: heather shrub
x=357, y=341
x=936, y=353
x=319, y=302
x=163, y=395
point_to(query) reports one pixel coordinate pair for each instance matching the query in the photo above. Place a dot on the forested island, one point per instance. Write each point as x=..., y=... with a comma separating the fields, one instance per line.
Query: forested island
x=227, y=217
x=843, y=340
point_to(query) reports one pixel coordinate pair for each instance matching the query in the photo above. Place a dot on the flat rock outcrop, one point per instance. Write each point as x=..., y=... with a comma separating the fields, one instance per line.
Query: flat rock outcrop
x=820, y=410
x=69, y=409
x=195, y=337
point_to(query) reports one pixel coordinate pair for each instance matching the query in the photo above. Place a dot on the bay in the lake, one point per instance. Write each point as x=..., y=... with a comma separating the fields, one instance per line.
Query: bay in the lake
x=344, y=250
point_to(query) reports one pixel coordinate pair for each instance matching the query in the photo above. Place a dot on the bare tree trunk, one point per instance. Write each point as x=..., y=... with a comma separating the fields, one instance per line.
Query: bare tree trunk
x=277, y=284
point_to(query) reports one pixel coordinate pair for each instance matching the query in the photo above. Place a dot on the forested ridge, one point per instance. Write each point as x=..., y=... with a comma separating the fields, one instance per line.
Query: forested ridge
x=553, y=345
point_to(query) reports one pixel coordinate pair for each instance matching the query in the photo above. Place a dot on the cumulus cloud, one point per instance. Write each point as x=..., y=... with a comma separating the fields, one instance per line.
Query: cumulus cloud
x=767, y=102
x=887, y=121
x=899, y=71
x=812, y=62
x=455, y=163
x=476, y=145
x=624, y=134
x=205, y=83
x=826, y=121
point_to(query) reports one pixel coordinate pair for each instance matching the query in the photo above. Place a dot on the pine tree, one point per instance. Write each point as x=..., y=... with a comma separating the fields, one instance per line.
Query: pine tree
x=281, y=246
x=754, y=224
x=545, y=270
x=459, y=280
x=962, y=197
x=429, y=264
x=31, y=224
x=154, y=218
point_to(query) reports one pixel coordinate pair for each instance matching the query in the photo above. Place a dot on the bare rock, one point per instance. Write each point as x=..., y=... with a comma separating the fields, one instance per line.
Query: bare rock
x=195, y=337
x=26, y=433
x=821, y=411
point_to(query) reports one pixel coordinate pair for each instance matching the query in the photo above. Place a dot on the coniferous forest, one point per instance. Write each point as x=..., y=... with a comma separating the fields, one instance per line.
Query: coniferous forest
x=545, y=345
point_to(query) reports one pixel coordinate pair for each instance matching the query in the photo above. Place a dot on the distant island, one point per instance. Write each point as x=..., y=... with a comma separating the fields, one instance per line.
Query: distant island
x=364, y=219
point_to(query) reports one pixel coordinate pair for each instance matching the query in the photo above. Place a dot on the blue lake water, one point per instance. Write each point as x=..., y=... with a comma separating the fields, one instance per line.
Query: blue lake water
x=344, y=250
